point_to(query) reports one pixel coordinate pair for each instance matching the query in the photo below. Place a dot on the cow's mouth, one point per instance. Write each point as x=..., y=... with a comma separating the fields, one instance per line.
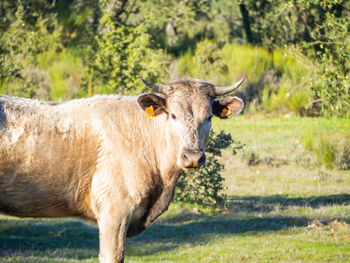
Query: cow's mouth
x=193, y=169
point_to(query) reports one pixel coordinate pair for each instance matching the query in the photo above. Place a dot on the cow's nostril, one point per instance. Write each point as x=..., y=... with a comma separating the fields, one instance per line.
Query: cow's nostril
x=201, y=160
x=185, y=157
x=186, y=160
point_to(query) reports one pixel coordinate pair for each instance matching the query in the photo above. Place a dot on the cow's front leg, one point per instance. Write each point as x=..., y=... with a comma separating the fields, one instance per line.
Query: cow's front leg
x=113, y=225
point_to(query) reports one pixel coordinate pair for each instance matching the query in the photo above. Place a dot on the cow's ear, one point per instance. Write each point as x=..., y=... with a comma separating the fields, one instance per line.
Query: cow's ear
x=152, y=104
x=227, y=107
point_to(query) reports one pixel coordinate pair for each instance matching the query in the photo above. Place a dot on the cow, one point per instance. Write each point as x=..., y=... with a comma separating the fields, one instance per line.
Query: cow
x=110, y=160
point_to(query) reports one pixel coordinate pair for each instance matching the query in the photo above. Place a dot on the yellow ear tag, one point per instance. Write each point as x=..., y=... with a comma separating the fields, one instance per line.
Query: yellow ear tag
x=150, y=112
x=225, y=112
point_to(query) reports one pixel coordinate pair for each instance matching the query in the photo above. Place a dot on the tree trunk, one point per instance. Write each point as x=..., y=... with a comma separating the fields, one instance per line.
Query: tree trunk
x=246, y=23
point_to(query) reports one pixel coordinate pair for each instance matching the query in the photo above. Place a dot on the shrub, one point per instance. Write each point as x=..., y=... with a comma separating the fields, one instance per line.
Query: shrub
x=205, y=186
x=21, y=46
x=123, y=56
x=252, y=158
x=325, y=152
x=286, y=99
x=342, y=158
x=206, y=62
x=307, y=140
x=331, y=86
x=276, y=81
x=330, y=153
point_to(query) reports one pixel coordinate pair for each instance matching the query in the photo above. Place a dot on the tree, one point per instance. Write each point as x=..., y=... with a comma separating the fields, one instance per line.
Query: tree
x=123, y=55
x=20, y=47
x=320, y=31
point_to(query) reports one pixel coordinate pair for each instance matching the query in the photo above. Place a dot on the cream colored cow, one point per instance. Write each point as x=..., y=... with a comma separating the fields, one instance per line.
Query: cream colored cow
x=109, y=160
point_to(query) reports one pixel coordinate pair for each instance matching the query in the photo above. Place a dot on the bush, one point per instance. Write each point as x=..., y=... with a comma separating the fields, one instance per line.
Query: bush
x=206, y=62
x=252, y=158
x=285, y=100
x=331, y=85
x=330, y=153
x=123, y=56
x=205, y=186
x=342, y=158
x=21, y=46
x=275, y=80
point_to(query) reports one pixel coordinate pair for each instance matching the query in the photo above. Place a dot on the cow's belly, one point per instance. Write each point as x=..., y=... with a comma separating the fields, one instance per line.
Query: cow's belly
x=47, y=176
x=22, y=195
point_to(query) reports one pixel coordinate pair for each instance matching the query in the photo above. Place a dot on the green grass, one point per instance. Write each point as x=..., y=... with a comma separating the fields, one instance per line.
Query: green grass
x=284, y=209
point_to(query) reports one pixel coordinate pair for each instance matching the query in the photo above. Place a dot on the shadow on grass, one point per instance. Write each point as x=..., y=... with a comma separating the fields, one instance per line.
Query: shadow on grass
x=79, y=241
x=61, y=238
x=268, y=203
x=74, y=240
x=164, y=237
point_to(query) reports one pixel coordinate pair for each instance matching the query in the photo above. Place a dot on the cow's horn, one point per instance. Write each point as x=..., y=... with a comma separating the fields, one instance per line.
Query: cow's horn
x=153, y=87
x=224, y=90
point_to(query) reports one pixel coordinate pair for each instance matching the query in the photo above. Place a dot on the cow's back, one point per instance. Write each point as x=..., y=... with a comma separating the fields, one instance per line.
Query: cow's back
x=48, y=154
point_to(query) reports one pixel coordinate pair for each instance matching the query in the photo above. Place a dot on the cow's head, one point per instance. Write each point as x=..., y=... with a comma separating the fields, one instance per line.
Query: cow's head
x=189, y=106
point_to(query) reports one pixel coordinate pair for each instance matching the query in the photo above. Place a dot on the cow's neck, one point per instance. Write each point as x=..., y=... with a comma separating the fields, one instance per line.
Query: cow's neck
x=148, y=140
x=166, y=158
x=159, y=153
x=167, y=148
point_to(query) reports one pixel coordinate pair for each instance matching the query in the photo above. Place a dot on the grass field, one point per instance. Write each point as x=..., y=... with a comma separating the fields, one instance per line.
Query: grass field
x=282, y=206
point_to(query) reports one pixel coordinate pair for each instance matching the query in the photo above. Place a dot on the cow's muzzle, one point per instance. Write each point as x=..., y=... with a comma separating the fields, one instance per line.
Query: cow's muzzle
x=192, y=159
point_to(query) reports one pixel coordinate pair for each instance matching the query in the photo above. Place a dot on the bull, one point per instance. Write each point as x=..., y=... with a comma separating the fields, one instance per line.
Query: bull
x=110, y=160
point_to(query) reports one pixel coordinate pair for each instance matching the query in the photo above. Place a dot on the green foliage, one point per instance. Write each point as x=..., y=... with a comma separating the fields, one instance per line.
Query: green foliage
x=14, y=48
x=220, y=65
x=320, y=29
x=297, y=58
x=175, y=26
x=307, y=140
x=342, y=158
x=20, y=48
x=79, y=19
x=205, y=186
x=325, y=152
x=285, y=100
x=252, y=158
x=332, y=83
x=277, y=94
x=252, y=60
x=206, y=63
x=328, y=152
x=123, y=56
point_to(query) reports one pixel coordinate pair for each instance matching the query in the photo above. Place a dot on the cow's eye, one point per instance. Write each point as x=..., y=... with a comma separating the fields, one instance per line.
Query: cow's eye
x=173, y=116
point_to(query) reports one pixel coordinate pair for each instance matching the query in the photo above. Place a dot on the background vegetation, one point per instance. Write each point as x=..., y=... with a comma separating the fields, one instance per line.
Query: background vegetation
x=295, y=53
x=284, y=193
